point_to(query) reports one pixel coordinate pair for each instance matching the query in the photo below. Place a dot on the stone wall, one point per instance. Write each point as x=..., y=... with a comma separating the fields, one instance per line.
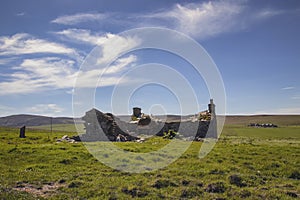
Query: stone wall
x=104, y=127
x=107, y=127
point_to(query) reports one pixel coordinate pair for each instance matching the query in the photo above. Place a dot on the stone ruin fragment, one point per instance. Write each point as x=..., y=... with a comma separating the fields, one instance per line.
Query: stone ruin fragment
x=101, y=126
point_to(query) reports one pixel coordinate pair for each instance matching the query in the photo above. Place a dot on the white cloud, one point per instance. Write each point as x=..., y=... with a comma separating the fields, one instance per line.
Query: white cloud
x=267, y=13
x=116, y=45
x=34, y=75
x=40, y=74
x=79, y=18
x=20, y=14
x=45, y=109
x=112, y=45
x=288, y=88
x=85, y=36
x=109, y=76
x=23, y=43
x=120, y=64
x=202, y=19
x=5, y=61
x=206, y=19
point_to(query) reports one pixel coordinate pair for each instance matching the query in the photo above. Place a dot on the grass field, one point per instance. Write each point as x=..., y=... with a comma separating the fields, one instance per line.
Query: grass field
x=246, y=163
x=60, y=127
x=281, y=120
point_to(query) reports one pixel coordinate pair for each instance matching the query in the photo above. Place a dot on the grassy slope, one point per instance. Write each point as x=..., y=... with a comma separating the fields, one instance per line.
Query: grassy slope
x=266, y=161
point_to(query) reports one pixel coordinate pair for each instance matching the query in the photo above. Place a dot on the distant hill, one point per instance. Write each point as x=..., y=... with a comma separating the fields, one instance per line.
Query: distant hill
x=37, y=120
x=33, y=120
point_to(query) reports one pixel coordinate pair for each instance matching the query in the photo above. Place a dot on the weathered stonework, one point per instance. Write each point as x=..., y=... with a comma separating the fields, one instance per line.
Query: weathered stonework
x=104, y=127
x=107, y=127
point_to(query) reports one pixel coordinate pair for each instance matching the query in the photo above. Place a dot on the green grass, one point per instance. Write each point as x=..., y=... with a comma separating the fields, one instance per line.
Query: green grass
x=281, y=120
x=288, y=132
x=60, y=127
x=246, y=163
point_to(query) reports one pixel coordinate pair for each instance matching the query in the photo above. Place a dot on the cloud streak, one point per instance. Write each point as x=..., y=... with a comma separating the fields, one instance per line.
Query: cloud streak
x=42, y=74
x=288, y=88
x=45, y=109
x=23, y=43
x=79, y=18
x=111, y=44
x=202, y=20
x=84, y=36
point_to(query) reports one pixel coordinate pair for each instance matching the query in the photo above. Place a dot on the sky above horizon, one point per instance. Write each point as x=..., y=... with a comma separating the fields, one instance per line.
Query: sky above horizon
x=254, y=44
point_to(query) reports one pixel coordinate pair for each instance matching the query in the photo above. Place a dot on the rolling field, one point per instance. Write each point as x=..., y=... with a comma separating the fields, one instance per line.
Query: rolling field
x=67, y=128
x=281, y=120
x=246, y=163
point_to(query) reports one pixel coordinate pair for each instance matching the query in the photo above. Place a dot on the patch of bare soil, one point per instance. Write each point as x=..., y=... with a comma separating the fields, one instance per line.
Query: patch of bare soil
x=45, y=190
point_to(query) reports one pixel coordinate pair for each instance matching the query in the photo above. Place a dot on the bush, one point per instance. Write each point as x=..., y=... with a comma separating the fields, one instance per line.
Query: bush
x=170, y=134
x=134, y=118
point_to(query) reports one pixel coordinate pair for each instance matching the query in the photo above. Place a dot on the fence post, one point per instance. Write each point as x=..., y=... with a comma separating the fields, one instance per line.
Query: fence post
x=22, y=132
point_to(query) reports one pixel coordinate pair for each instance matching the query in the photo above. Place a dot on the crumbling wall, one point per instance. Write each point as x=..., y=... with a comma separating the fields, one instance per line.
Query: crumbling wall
x=107, y=127
x=104, y=126
x=187, y=129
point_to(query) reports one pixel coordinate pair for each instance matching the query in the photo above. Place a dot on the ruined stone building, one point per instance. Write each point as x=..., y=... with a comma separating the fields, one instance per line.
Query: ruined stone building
x=107, y=127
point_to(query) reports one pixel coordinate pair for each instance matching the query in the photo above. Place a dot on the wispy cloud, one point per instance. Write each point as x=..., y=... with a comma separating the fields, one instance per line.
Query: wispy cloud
x=40, y=74
x=297, y=97
x=107, y=42
x=267, y=13
x=85, y=36
x=109, y=75
x=79, y=18
x=20, y=14
x=109, y=50
x=207, y=19
x=23, y=43
x=201, y=19
x=45, y=109
x=34, y=75
x=5, y=61
x=120, y=63
x=288, y=88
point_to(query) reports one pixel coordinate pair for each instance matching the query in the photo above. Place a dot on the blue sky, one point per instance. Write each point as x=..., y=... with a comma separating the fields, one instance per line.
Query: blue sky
x=255, y=45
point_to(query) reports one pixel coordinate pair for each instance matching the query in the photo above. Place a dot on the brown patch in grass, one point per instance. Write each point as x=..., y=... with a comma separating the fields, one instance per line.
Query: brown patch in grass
x=46, y=190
